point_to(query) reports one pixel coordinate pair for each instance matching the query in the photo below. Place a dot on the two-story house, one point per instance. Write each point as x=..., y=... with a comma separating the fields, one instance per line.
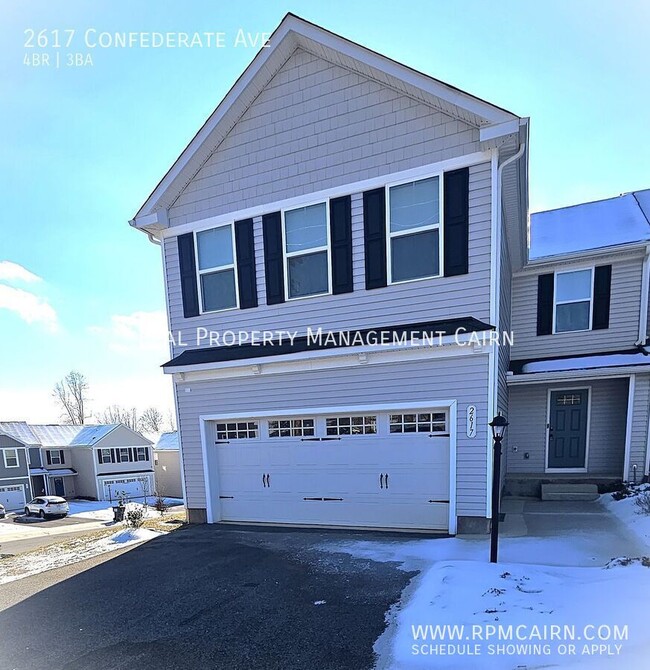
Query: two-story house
x=334, y=188
x=15, y=486
x=579, y=386
x=92, y=461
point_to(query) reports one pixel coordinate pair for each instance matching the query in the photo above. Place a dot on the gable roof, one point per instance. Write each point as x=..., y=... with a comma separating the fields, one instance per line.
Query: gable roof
x=294, y=33
x=57, y=435
x=591, y=225
x=167, y=442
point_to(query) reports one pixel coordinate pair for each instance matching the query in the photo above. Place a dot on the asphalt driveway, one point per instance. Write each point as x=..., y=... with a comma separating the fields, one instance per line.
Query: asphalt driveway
x=210, y=597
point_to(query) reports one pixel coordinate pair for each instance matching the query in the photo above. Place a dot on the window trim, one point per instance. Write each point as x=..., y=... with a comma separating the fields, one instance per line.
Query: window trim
x=434, y=226
x=445, y=411
x=592, y=269
x=51, y=452
x=286, y=254
x=237, y=430
x=4, y=457
x=302, y=418
x=375, y=416
x=231, y=266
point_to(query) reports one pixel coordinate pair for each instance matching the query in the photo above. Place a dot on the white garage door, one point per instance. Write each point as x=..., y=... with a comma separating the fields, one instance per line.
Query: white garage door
x=132, y=487
x=388, y=470
x=12, y=497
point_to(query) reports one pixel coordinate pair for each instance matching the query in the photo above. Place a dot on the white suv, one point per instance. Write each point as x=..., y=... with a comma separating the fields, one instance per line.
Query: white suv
x=46, y=506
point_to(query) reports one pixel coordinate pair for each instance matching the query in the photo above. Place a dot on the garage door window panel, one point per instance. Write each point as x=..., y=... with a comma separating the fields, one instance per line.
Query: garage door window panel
x=419, y=422
x=292, y=427
x=238, y=430
x=351, y=425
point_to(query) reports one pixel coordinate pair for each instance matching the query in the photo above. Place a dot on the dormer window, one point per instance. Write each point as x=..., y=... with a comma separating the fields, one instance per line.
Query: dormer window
x=573, y=301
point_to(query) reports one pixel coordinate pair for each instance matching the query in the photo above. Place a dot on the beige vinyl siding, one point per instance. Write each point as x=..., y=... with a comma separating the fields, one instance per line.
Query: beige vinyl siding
x=464, y=379
x=528, y=418
x=425, y=300
x=316, y=126
x=168, y=473
x=623, y=319
x=639, y=434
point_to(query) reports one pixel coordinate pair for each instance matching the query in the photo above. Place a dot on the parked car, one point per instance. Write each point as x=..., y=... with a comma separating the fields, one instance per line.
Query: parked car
x=46, y=506
x=3, y=512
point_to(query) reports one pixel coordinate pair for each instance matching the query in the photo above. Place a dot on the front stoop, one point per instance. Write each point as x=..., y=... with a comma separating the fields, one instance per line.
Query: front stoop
x=586, y=492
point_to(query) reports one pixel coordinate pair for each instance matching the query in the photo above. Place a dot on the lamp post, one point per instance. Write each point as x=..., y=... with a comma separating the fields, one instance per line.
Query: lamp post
x=498, y=425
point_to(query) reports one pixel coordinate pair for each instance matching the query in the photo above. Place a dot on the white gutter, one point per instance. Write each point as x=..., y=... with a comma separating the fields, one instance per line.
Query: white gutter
x=645, y=290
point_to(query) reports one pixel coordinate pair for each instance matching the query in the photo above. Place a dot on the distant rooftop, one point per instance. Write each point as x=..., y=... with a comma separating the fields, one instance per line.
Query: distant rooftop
x=591, y=225
x=56, y=435
x=167, y=441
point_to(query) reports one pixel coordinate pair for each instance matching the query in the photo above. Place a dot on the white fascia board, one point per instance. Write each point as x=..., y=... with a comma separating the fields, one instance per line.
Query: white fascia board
x=321, y=360
x=620, y=251
x=494, y=131
x=572, y=376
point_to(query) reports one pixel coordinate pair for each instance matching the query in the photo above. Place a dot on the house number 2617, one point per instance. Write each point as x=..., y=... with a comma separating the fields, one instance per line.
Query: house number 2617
x=471, y=421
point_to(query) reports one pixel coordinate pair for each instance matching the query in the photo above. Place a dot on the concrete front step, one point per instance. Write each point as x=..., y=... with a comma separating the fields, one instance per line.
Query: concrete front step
x=569, y=492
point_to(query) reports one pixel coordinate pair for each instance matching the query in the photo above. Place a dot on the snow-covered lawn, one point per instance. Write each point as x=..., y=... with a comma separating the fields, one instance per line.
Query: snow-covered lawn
x=629, y=512
x=72, y=551
x=101, y=510
x=528, y=611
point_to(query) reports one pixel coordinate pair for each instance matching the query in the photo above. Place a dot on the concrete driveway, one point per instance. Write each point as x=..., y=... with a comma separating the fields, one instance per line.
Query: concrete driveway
x=208, y=597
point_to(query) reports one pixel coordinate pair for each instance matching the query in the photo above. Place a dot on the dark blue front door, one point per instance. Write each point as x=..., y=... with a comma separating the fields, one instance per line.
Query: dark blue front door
x=58, y=486
x=567, y=431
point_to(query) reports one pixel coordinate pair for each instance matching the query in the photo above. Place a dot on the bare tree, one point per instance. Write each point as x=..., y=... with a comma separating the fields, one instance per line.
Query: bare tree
x=151, y=420
x=71, y=393
x=119, y=414
x=171, y=421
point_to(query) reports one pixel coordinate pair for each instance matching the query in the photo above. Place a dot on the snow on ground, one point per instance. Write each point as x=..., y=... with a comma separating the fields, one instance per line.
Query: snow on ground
x=629, y=512
x=101, y=510
x=531, y=588
x=56, y=556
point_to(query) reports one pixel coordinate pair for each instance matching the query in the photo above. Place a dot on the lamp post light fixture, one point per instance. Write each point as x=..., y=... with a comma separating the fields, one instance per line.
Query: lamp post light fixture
x=498, y=425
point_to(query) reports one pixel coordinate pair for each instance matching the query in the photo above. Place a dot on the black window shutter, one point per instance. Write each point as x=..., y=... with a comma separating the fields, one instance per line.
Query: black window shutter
x=245, y=246
x=187, y=265
x=113, y=456
x=62, y=456
x=48, y=455
x=273, y=259
x=146, y=453
x=341, y=238
x=456, y=222
x=374, y=234
x=545, y=304
x=602, y=292
x=119, y=456
x=100, y=459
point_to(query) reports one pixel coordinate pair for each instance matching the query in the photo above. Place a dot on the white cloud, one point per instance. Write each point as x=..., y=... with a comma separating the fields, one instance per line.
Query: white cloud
x=139, y=331
x=10, y=271
x=29, y=307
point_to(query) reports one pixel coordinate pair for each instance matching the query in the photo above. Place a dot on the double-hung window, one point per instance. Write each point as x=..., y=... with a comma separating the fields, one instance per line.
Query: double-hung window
x=216, y=267
x=10, y=458
x=306, y=251
x=105, y=456
x=414, y=244
x=573, y=300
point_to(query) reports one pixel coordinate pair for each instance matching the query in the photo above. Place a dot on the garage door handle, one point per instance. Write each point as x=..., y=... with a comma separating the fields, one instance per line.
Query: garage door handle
x=264, y=482
x=268, y=481
x=381, y=480
x=386, y=480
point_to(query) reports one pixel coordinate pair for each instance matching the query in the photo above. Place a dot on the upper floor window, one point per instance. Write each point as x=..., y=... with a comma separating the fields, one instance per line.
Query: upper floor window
x=10, y=458
x=54, y=457
x=573, y=300
x=105, y=456
x=306, y=251
x=414, y=245
x=216, y=266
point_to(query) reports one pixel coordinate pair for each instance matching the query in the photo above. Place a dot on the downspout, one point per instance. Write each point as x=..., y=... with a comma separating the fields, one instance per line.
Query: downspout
x=645, y=292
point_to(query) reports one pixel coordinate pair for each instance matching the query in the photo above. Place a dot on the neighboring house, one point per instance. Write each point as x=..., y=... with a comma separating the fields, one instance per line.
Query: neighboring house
x=167, y=466
x=336, y=188
x=15, y=488
x=95, y=462
x=579, y=387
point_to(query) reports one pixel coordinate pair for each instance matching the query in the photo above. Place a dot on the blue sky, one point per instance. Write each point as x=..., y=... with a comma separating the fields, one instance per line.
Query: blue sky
x=82, y=147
